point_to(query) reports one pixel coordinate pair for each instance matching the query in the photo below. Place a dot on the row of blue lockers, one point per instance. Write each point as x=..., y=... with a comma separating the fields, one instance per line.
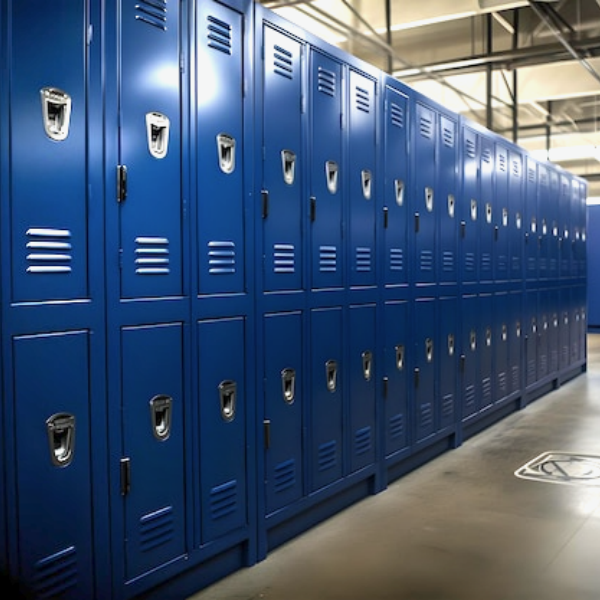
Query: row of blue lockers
x=246, y=279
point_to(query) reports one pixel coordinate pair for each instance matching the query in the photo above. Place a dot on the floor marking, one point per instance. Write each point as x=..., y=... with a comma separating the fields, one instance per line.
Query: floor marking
x=563, y=467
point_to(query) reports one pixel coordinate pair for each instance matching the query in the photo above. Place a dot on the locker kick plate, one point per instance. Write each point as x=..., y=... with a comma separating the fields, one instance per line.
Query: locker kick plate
x=563, y=467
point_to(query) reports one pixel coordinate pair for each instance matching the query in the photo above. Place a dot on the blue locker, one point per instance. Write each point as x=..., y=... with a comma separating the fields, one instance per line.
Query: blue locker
x=553, y=330
x=425, y=368
x=543, y=358
x=53, y=457
x=565, y=328
x=516, y=334
x=219, y=156
x=396, y=328
x=584, y=229
x=424, y=194
x=531, y=337
x=362, y=374
x=553, y=211
x=224, y=403
x=487, y=204
x=326, y=172
x=502, y=215
x=282, y=191
x=544, y=223
x=565, y=226
x=517, y=225
x=153, y=408
x=502, y=324
x=149, y=186
x=470, y=350
x=575, y=329
x=447, y=193
x=284, y=409
x=581, y=295
x=470, y=206
x=362, y=185
x=3, y=194
x=447, y=360
x=593, y=266
x=575, y=228
x=532, y=245
x=486, y=351
x=326, y=396
x=396, y=193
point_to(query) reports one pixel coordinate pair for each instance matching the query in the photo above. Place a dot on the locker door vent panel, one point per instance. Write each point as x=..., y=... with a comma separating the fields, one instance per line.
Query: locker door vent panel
x=502, y=383
x=284, y=476
x=221, y=258
x=448, y=406
x=470, y=396
x=486, y=155
x=152, y=256
x=470, y=147
x=157, y=528
x=516, y=377
x=396, y=426
x=362, y=441
x=363, y=260
x=470, y=262
x=363, y=100
x=516, y=168
x=327, y=259
x=152, y=12
x=396, y=259
x=426, y=126
x=396, y=115
x=426, y=260
x=219, y=35
x=56, y=574
x=426, y=415
x=48, y=250
x=327, y=457
x=486, y=262
x=284, y=258
x=223, y=500
x=531, y=175
x=282, y=62
x=502, y=162
x=326, y=82
x=448, y=135
x=448, y=261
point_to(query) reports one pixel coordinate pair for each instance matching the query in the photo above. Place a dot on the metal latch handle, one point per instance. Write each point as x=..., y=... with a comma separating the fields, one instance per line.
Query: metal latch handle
x=227, y=398
x=61, y=438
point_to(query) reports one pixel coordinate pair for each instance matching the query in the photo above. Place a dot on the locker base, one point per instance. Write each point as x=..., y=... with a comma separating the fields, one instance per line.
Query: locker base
x=572, y=372
x=493, y=415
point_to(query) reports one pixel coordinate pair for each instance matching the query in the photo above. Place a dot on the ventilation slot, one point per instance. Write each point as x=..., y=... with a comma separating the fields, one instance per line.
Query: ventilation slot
x=426, y=126
x=363, y=100
x=284, y=258
x=219, y=35
x=282, y=62
x=470, y=147
x=327, y=259
x=426, y=261
x=516, y=168
x=221, y=258
x=448, y=262
x=396, y=259
x=152, y=256
x=152, y=12
x=530, y=174
x=502, y=383
x=156, y=528
x=284, y=476
x=223, y=500
x=396, y=426
x=426, y=415
x=470, y=396
x=48, y=251
x=362, y=441
x=470, y=262
x=327, y=458
x=502, y=162
x=397, y=115
x=486, y=156
x=56, y=574
x=448, y=406
x=326, y=82
x=363, y=259
x=448, y=136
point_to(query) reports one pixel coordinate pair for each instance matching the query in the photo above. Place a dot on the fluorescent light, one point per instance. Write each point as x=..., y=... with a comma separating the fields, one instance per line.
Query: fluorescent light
x=406, y=73
x=593, y=201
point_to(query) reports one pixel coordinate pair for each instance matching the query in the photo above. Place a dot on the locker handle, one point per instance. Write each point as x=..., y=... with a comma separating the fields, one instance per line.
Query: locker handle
x=366, y=180
x=496, y=231
x=463, y=229
x=288, y=385
x=227, y=397
x=56, y=113
x=125, y=472
x=288, y=166
x=417, y=377
x=313, y=209
x=429, y=199
x=417, y=222
x=451, y=344
x=367, y=364
x=399, y=191
x=451, y=205
x=267, y=433
x=331, y=368
x=399, y=357
x=463, y=360
x=226, y=152
x=385, y=217
x=331, y=173
x=429, y=350
x=264, y=194
x=386, y=382
x=157, y=133
x=121, y=183
x=61, y=438
x=160, y=414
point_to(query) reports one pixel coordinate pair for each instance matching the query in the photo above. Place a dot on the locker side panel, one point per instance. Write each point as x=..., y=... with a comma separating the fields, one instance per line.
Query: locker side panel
x=487, y=204
x=52, y=430
x=362, y=376
x=469, y=209
x=593, y=282
x=326, y=396
x=284, y=407
x=448, y=360
x=327, y=172
x=223, y=410
x=470, y=342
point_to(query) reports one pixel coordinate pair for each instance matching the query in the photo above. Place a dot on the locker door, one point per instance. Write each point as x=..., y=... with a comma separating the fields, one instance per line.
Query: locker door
x=153, y=445
x=219, y=127
x=395, y=379
x=470, y=206
x=362, y=376
x=502, y=214
x=326, y=394
x=284, y=407
x=488, y=203
x=531, y=220
x=447, y=195
x=574, y=326
x=501, y=346
x=581, y=293
x=544, y=222
x=564, y=328
x=553, y=332
x=543, y=334
x=515, y=342
x=565, y=226
x=53, y=453
x=576, y=227
x=224, y=407
x=582, y=253
x=531, y=337
x=424, y=192
x=517, y=224
x=486, y=352
x=282, y=161
x=326, y=172
x=554, y=223
x=150, y=152
x=425, y=368
x=470, y=344
x=396, y=193
x=362, y=172
x=447, y=361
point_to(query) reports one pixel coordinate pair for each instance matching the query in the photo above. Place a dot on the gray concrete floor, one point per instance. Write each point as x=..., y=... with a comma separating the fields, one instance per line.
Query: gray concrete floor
x=462, y=527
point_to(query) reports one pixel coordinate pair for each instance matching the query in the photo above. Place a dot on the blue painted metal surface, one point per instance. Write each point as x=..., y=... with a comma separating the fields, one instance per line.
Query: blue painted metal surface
x=448, y=362
x=470, y=206
x=593, y=266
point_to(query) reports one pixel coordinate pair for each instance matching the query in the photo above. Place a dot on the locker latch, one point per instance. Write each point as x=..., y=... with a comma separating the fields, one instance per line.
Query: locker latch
x=473, y=210
x=125, y=472
x=451, y=344
x=488, y=337
x=331, y=174
x=366, y=180
x=226, y=152
x=288, y=385
x=429, y=350
x=56, y=113
x=367, y=364
x=473, y=341
x=417, y=222
x=227, y=397
x=121, y=183
x=451, y=205
x=504, y=332
x=157, y=133
x=399, y=357
x=429, y=199
x=61, y=438
x=267, y=433
x=313, y=209
x=264, y=195
x=518, y=329
x=386, y=383
x=399, y=191
x=331, y=368
x=161, y=410
x=288, y=166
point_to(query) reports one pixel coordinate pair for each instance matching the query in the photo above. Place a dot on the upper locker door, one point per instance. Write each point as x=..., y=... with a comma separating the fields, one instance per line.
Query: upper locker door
x=516, y=208
x=396, y=181
x=488, y=204
x=362, y=140
x=554, y=215
x=282, y=161
x=326, y=174
x=470, y=205
x=219, y=154
x=531, y=222
x=424, y=192
x=502, y=214
x=565, y=226
x=544, y=222
x=150, y=150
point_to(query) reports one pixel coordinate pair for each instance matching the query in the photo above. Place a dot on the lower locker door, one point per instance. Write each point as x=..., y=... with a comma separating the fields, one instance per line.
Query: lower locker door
x=153, y=442
x=54, y=513
x=515, y=343
x=284, y=408
x=447, y=360
x=544, y=333
x=425, y=369
x=531, y=339
x=469, y=355
x=500, y=346
x=486, y=351
x=223, y=410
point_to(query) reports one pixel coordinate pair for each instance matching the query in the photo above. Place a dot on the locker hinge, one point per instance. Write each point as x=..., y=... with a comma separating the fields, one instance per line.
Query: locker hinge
x=267, y=432
x=121, y=183
x=125, y=466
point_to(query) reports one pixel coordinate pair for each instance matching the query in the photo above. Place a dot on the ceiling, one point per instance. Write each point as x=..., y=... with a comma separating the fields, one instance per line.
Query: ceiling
x=529, y=70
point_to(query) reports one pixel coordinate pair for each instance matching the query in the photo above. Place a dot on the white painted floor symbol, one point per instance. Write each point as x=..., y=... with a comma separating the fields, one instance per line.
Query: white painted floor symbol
x=563, y=467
